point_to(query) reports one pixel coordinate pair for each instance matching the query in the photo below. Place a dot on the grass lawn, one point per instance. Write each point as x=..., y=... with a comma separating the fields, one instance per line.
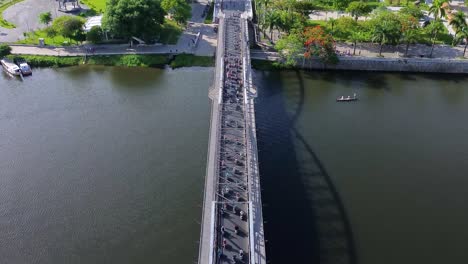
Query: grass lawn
x=130, y=60
x=170, y=32
x=209, y=16
x=114, y=60
x=33, y=38
x=49, y=61
x=313, y=23
x=4, y=4
x=188, y=60
x=96, y=5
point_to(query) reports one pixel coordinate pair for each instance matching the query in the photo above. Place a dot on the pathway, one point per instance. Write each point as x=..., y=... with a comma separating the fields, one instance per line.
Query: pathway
x=417, y=50
x=232, y=222
x=205, y=45
x=25, y=16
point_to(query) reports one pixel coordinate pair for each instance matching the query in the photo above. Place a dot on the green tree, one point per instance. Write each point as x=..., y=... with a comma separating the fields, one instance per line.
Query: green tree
x=81, y=36
x=380, y=35
x=69, y=26
x=50, y=32
x=4, y=50
x=386, y=32
x=290, y=48
x=409, y=28
x=304, y=7
x=413, y=11
x=272, y=20
x=94, y=35
x=261, y=10
x=434, y=28
x=319, y=44
x=358, y=8
x=463, y=36
x=355, y=37
x=179, y=9
x=344, y=26
x=386, y=28
x=133, y=18
x=409, y=37
x=288, y=21
x=332, y=22
x=340, y=4
x=458, y=22
x=45, y=18
x=438, y=9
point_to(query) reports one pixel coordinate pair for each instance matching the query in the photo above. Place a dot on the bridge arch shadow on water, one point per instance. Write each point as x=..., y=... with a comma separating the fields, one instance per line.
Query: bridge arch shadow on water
x=306, y=221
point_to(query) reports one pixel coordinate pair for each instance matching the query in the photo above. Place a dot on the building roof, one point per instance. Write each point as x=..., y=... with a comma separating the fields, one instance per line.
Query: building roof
x=92, y=21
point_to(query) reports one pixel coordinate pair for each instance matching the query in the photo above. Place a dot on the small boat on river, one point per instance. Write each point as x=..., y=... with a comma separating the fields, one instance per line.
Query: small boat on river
x=10, y=67
x=347, y=98
x=23, y=65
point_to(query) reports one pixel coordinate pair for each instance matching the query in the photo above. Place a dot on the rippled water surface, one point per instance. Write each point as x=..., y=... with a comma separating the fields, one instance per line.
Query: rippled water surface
x=102, y=165
x=382, y=180
x=107, y=165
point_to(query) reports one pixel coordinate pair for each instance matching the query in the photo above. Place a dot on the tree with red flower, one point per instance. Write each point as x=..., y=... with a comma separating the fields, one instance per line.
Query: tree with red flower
x=320, y=44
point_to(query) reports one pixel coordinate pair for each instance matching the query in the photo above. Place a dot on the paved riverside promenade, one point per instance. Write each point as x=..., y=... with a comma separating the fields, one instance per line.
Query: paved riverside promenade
x=232, y=222
x=98, y=50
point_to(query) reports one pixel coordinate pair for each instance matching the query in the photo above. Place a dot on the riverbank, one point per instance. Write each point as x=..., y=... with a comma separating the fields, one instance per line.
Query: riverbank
x=189, y=60
x=132, y=60
x=267, y=65
x=427, y=65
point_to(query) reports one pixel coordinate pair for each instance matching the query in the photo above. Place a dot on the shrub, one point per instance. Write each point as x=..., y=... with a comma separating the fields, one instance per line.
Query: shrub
x=129, y=60
x=51, y=61
x=4, y=50
x=187, y=60
x=94, y=35
x=69, y=27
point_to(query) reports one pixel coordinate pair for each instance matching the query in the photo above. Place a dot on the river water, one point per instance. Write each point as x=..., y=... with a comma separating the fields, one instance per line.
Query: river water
x=107, y=165
x=102, y=165
x=381, y=180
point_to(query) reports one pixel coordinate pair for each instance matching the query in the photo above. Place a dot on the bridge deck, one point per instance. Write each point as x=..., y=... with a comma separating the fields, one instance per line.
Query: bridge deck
x=232, y=224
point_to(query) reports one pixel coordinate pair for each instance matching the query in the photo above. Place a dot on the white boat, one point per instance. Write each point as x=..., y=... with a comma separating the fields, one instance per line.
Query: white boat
x=347, y=99
x=10, y=67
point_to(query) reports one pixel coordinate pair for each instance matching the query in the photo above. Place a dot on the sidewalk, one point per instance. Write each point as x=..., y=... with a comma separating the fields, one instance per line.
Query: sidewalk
x=415, y=50
x=389, y=51
x=98, y=50
x=207, y=41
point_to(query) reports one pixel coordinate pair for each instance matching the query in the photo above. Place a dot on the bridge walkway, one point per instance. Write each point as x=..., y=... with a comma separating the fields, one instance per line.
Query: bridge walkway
x=232, y=224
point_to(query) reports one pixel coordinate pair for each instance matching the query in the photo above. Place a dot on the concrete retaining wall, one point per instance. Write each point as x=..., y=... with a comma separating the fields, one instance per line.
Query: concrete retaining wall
x=391, y=65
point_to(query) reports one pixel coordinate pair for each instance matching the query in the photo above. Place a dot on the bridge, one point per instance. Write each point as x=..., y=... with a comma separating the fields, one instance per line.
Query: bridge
x=232, y=222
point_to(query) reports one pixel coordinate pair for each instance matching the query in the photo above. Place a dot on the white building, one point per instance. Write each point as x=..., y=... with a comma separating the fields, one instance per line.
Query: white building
x=91, y=22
